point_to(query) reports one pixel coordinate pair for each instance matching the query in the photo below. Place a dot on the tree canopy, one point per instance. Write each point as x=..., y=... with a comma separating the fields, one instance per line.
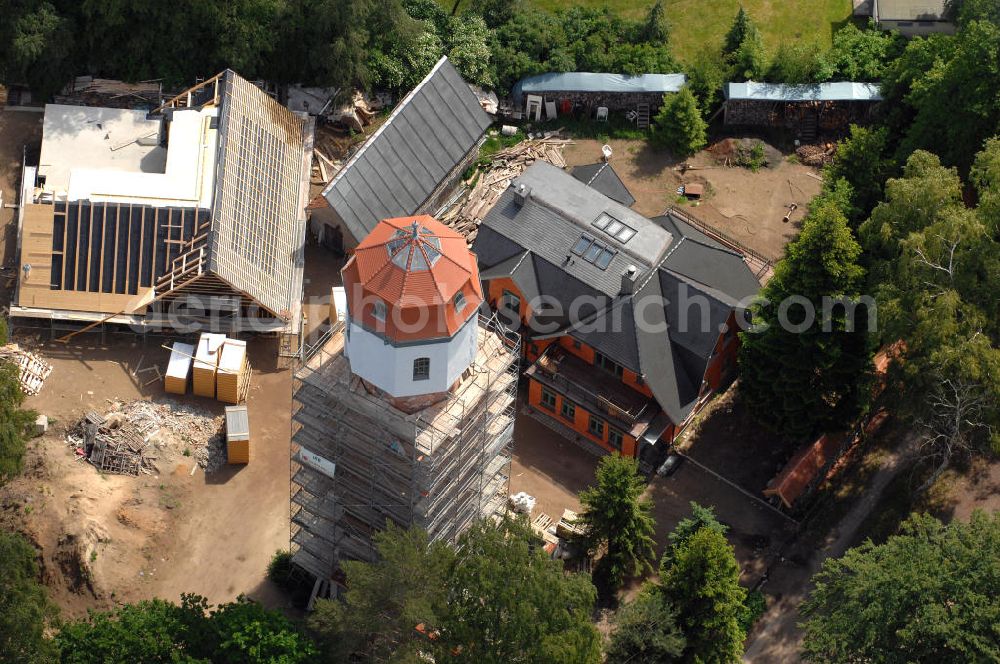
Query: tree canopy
x=807, y=318
x=678, y=125
x=159, y=631
x=646, y=631
x=14, y=421
x=405, y=587
x=25, y=609
x=701, y=579
x=617, y=522
x=927, y=594
x=509, y=603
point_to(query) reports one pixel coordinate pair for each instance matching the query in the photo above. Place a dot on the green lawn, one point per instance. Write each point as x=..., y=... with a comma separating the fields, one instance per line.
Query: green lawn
x=701, y=24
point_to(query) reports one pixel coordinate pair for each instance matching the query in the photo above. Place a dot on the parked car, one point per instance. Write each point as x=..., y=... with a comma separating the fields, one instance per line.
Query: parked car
x=670, y=465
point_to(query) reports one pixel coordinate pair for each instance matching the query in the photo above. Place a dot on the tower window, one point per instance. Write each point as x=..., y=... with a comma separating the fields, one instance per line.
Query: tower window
x=422, y=368
x=378, y=310
x=459, y=301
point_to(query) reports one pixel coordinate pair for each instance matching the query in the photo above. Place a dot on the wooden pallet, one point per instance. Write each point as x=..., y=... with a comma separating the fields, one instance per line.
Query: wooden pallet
x=32, y=369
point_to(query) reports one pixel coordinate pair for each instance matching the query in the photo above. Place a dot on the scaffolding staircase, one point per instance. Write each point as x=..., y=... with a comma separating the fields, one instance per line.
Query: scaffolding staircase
x=642, y=116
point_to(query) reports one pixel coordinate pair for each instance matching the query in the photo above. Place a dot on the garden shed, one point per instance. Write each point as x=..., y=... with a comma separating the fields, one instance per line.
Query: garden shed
x=804, y=108
x=587, y=90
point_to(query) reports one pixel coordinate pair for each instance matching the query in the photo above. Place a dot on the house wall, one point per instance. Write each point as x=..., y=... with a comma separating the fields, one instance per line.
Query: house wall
x=323, y=222
x=580, y=423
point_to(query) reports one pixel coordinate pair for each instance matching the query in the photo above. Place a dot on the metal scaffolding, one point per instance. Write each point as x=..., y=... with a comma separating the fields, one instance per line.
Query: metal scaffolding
x=439, y=468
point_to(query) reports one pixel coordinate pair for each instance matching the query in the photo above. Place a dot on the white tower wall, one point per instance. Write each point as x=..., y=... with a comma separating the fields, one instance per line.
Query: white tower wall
x=390, y=368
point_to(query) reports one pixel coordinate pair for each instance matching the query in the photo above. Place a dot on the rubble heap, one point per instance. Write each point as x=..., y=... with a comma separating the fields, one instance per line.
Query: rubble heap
x=468, y=211
x=131, y=436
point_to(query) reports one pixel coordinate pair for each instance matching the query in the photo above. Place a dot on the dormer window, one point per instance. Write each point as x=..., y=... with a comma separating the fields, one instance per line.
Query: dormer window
x=378, y=310
x=459, y=301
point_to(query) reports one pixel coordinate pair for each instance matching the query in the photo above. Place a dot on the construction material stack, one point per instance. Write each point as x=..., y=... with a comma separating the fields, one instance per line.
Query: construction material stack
x=231, y=372
x=237, y=435
x=178, y=368
x=206, y=364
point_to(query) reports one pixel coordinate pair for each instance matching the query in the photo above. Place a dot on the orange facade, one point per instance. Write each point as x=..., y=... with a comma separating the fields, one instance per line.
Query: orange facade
x=579, y=420
x=719, y=369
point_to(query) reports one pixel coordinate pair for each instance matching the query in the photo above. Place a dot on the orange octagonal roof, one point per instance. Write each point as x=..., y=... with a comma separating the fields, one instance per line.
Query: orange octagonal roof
x=416, y=266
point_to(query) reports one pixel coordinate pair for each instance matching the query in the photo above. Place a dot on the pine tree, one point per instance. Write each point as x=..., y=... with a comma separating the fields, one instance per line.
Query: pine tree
x=616, y=519
x=743, y=48
x=655, y=28
x=737, y=32
x=678, y=126
x=797, y=377
x=702, y=581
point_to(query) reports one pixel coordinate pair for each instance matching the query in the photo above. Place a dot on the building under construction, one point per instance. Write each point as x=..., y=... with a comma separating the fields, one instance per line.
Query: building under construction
x=191, y=214
x=398, y=419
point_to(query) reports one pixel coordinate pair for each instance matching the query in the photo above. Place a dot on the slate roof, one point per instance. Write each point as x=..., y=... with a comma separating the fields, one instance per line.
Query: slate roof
x=685, y=291
x=398, y=168
x=602, y=177
x=261, y=191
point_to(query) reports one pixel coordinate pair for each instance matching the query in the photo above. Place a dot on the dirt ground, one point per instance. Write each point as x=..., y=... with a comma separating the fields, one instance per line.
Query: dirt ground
x=747, y=206
x=105, y=538
x=554, y=471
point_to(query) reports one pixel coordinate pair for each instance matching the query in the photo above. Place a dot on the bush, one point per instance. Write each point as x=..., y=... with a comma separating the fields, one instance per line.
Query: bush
x=755, y=605
x=752, y=157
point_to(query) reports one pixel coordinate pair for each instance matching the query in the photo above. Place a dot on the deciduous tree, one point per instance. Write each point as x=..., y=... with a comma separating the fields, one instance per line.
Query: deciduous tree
x=25, y=609
x=386, y=599
x=646, y=631
x=509, y=603
x=927, y=594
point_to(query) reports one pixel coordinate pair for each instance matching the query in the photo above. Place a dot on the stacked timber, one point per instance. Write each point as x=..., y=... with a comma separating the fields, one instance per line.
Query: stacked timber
x=237, y=434
x=175, y=381
x=466, y=215
x=206, y=364
x=233, y=371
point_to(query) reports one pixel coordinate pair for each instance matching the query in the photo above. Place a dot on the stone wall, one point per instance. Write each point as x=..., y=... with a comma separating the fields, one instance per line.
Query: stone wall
x=589, y=101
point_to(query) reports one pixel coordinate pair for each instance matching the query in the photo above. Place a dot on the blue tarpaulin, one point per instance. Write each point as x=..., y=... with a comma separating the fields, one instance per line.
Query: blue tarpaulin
x=579, y=81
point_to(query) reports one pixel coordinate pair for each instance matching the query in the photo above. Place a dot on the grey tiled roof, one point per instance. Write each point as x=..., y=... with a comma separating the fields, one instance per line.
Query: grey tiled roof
x=399, y=167
x=602, y=177
x=670, y=351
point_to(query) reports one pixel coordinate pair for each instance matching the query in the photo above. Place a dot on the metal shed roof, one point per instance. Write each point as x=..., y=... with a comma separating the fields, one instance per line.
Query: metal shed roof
x=579, y=81
x=399, y=167
x=839, y=91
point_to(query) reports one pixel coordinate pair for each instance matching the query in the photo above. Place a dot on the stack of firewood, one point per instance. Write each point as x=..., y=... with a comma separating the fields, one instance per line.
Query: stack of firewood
x=490, y=182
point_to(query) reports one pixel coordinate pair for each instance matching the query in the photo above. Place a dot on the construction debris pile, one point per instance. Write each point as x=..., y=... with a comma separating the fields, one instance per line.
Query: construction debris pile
x=32, y=370
x=132, y=436
x=90, y=91
x=468, y=211
x=816, y=155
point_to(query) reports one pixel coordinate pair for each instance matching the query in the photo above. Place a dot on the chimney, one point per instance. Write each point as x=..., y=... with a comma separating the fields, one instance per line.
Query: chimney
x=628, y=279
x=522, y=193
